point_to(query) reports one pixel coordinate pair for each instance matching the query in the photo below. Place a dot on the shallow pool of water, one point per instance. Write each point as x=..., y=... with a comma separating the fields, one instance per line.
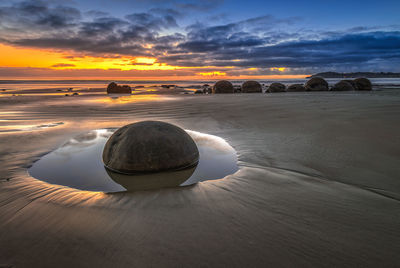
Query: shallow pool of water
x=78, y=164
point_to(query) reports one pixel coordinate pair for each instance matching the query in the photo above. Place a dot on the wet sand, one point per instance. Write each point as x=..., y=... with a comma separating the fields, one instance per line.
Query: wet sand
x=318, y=185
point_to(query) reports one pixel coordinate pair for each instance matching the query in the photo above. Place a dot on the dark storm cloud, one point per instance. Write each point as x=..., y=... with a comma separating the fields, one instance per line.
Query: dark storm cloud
x=255, y=42
x=38, y=15
x=245, y=44
x=40, y=24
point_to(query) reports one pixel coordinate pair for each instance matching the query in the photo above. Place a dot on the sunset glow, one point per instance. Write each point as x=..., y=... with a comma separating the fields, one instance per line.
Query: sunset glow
x=65, y=63
x=73, y=40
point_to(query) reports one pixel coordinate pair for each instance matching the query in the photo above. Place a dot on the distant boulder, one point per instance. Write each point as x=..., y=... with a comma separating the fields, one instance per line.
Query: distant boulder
x=343, y=86
x=363, y=84
x=316, y=84
x=168, y=86
x=276, y=87
x=113, y=88
x=237, y=89
x=296, y=88
x=351, y=82
x=251, y=87
x=206, y=89
x=199, y=91
x=223, y=86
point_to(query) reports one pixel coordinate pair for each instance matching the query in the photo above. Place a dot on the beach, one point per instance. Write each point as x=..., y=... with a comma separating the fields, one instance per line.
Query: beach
x=318, y=183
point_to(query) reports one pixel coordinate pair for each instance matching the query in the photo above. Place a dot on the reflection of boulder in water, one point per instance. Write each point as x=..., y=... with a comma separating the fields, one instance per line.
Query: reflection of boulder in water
x=149, y=181
x=149, y=146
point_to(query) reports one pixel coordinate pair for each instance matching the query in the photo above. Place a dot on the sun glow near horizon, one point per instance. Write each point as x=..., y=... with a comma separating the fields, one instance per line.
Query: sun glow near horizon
x=67, y=64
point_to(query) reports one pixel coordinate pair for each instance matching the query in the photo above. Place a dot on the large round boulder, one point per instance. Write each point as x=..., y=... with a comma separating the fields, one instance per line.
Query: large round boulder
x=351, y=82
x=251, y=87
x=342, y=86
x=276, y=87
x=223, y=86
x=296, y=88
x=316, y=84
x=113, y=88
x=149, y=146
x=363, y=84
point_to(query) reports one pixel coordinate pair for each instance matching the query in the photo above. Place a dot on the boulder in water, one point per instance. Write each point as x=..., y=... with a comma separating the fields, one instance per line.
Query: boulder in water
x=149, y=146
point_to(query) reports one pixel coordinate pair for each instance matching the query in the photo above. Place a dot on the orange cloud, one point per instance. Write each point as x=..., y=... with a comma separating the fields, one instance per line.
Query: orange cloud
x=280, y=69
x=21, y=63
x=216, y=73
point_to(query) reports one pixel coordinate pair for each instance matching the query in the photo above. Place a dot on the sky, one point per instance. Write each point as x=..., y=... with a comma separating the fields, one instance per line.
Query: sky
x=186, y=39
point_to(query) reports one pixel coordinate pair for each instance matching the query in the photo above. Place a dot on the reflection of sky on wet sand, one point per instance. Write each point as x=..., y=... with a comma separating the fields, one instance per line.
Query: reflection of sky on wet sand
x=121, y=99
x=78, y=164
x=15, y=128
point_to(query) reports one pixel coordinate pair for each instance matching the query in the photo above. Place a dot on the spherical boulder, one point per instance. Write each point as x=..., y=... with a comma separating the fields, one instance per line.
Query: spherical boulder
x=316, y=84
x=363, y=84
x=296, y=88
x=149, y=146
x=113, y=88
x=351, y=82
x=342, y=86
x=251, y=87
x=223, y=86
x=277, y=87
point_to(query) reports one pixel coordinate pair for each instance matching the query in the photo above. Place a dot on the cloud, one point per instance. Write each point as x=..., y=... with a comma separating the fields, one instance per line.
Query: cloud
x=166, y=12
x=37, y=15
x=96, y=13
x=261, y=42
x=151, y=21
x=60, y=65
x=204, y=5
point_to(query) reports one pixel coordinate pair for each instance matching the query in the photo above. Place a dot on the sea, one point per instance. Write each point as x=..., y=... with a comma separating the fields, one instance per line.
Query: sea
x=86, y=84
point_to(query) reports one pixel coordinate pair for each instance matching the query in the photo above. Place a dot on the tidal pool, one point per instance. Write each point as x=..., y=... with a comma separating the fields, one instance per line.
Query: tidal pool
x=78, y=164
